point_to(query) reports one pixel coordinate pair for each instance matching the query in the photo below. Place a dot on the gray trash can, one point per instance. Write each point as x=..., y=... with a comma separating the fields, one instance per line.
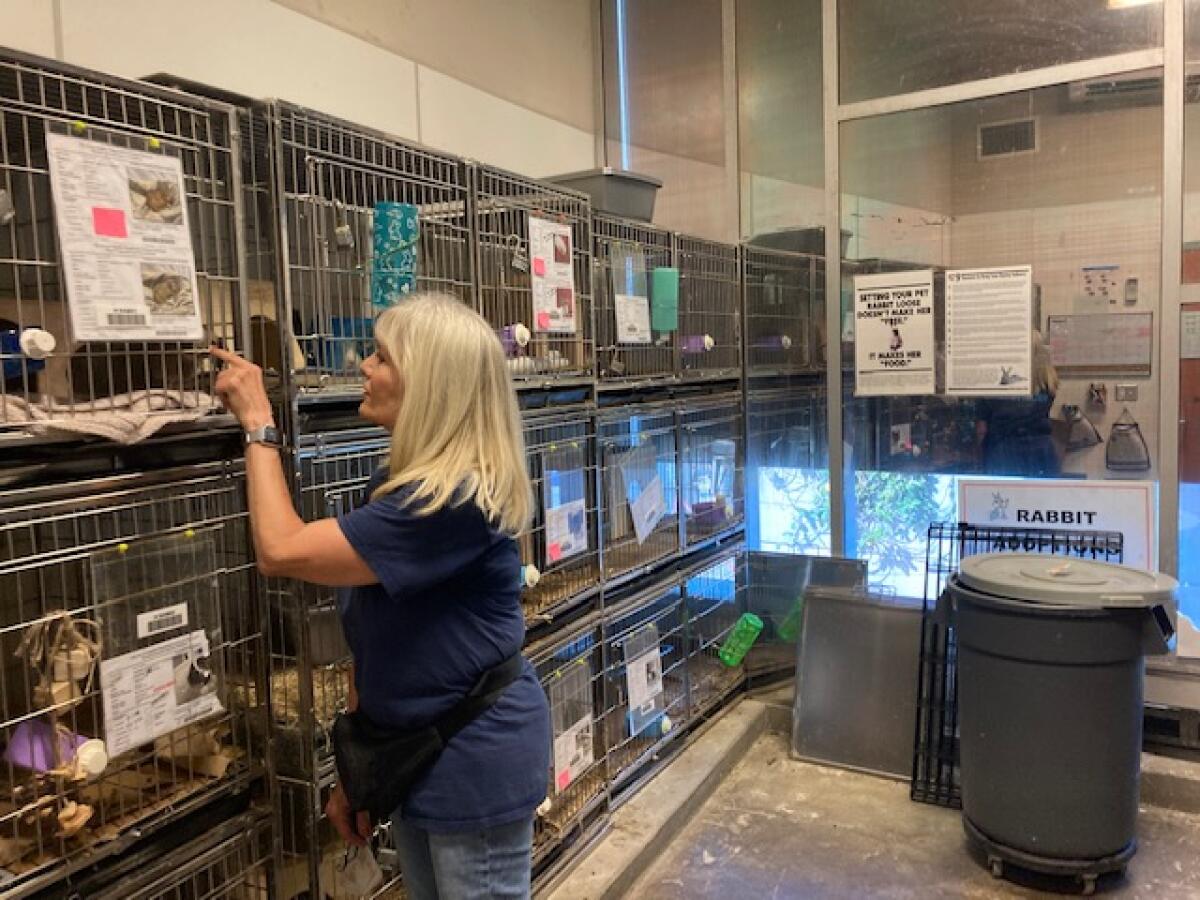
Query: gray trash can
x=1050, y=666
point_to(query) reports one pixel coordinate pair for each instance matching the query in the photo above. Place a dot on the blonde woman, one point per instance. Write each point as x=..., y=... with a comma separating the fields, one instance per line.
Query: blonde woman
x=433, y=601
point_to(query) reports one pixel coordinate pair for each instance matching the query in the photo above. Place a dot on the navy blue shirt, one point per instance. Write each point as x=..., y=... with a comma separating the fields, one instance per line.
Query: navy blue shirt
x=446, y=609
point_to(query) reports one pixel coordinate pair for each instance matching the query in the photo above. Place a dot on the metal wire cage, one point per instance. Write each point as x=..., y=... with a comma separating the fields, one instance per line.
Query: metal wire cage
x=935, y=776
x=626, y=255
x=781, y=311
x=639, y=476
x=361, y=219
x=560, y=552
x=714, y=598
x=712, y=465
x=547, y=333
x=231, y=862
x=785, y=428
x=312, y=855
x=645, y=678
x=77, y=379
x=710, y=309
x=99, y=577
x=310, y=666
x=570, y=668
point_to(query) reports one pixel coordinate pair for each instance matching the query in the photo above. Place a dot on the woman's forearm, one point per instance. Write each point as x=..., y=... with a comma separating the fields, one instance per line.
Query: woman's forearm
x=273, y=518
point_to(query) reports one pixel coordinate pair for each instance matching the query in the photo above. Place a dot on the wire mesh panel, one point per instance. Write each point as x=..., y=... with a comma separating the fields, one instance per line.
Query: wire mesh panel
x=780, y=312
x=560, y=552
x=639, y=482
x=571, y=669
x=364, y=218
x=710, y=309
x=52, y=379
x=935, y=757
x=544, y=323
x=233, y=862
x=110, y=589
x=310, y=660
x=626, y=256
x=711, y=466
x=785, y=428
x=714, y=599
x=645, y=679
x=313, y=856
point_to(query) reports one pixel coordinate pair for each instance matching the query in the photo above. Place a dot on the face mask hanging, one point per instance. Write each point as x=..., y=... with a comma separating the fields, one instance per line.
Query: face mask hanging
x=1126, y=450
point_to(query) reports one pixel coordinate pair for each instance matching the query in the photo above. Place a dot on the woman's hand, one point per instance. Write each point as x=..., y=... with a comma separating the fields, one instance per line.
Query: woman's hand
x=240, y=387
x=354, y=830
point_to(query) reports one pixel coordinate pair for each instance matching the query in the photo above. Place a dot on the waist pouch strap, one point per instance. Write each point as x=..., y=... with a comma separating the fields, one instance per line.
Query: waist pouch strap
x=377, y=766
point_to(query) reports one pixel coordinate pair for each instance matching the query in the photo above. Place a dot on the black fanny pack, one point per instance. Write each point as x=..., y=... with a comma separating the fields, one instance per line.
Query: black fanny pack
x=377, y=766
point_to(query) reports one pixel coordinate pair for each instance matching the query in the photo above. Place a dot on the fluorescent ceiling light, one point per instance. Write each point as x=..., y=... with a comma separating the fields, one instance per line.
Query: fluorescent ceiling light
x=1126, y=4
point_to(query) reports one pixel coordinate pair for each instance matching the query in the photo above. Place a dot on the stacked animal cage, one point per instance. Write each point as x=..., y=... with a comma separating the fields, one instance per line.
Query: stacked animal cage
x=781, y=312
x=534, y=262
x=354, y=220
x=711, y=465
x=104, y=580
x=645, y=677
x=637, y=335
x=156, y=224
x=230, y=862
x=560, y=551
x=570, y=667
x=710, y=309
x=715, y=594
x=639, y=486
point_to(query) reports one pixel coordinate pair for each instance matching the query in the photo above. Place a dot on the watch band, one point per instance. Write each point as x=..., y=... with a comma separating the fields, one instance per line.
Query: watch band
x=264, y=434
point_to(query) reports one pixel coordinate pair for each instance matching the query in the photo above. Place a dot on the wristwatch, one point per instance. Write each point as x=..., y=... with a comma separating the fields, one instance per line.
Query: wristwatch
x=264, y=434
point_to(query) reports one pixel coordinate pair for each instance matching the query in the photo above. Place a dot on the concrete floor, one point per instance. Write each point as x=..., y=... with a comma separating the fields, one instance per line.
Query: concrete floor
x=777, y=828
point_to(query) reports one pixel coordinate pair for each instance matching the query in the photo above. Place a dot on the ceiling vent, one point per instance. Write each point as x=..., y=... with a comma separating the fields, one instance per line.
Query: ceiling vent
x=1007, y=138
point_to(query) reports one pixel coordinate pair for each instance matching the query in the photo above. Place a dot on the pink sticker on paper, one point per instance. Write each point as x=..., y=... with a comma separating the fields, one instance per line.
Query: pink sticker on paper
x=564, y=779
x=109, y=222
x=554, y=551
x=543, y=321
x=539, y=266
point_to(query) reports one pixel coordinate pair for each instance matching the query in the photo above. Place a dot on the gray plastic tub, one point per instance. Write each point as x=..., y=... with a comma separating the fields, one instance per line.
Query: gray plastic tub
x=614, y=191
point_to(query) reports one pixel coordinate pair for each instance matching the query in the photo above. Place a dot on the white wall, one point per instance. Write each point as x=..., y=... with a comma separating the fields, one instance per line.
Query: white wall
x=263, y=49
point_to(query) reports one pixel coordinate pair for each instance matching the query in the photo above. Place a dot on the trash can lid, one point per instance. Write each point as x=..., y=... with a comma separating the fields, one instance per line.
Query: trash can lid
x=1065, y=581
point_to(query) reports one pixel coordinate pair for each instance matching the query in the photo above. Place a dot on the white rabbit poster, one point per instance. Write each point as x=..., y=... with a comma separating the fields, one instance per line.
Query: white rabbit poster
x=893, y=334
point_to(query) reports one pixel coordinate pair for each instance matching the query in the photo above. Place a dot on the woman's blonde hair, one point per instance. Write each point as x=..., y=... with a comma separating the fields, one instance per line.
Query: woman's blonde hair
x=1045, y=376
x=458, y=435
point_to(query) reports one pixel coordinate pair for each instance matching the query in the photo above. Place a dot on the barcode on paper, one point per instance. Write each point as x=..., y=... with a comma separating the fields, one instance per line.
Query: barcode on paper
x=166, y=619
x=128, y=320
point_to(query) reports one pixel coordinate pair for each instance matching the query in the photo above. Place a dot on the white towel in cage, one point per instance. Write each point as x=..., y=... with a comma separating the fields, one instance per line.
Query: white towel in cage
x=123, y=419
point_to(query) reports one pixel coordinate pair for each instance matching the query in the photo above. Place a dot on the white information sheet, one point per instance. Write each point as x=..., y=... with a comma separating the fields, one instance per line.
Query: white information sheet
x=127, y=250
x=1189, y=334
x=989, y=331
x=574, y=752
x=633, y=319
x=153, y=691
x=1124, y=506
x=893, y=334
x=566, y=530
x=647, y=509
x=643, y=678
x=552, y=276
x=1120, y=341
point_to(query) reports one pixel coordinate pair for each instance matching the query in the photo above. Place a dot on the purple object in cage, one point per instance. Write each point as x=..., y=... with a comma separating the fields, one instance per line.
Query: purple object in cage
x=697, y=343
x=32, y=746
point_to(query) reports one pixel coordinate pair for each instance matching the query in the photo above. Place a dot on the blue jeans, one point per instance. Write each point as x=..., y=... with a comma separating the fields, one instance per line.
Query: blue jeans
x=468, y=865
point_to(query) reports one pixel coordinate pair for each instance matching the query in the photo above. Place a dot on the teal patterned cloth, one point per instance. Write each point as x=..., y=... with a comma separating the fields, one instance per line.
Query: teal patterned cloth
x=394, y=269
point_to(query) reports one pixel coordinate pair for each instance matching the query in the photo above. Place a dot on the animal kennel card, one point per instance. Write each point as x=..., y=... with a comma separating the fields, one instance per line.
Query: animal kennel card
x=644, y=679
x=566, y=530
x=893, y=334
x=574, y=752
x=989, y=332
x=552, y=276
x=154, y=691
x=647, y=509
x=122, y=221
x=633, y=319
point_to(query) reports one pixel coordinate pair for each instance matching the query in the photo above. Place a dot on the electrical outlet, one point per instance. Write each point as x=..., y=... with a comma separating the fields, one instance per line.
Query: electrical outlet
x=1127, y=393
